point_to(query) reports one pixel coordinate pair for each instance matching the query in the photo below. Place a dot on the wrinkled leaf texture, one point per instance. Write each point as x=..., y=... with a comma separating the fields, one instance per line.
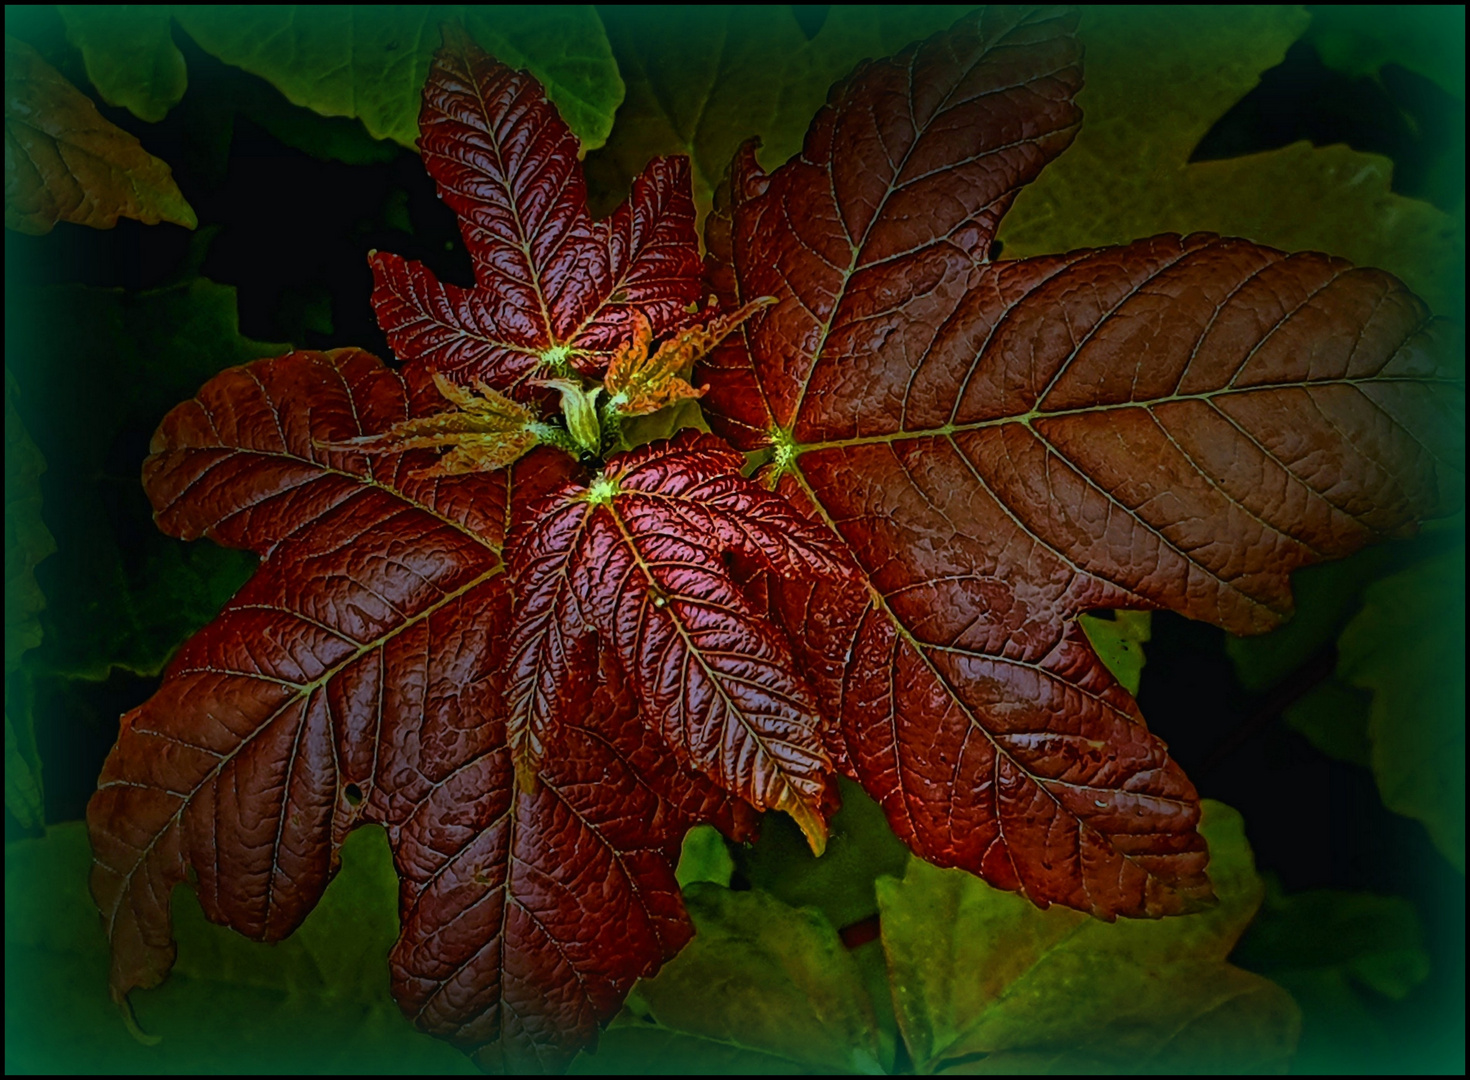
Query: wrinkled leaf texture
x=643, y=573
x=353, y=680
x=548, y=277
x=998, y=446
x=1175, y=423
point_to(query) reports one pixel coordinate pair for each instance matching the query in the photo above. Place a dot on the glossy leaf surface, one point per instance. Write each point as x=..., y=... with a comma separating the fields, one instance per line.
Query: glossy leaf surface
x=637, y=566
x=353, y=679
x=1177, y=423
x=554, y=289
x=537, y=677
x=239, y=767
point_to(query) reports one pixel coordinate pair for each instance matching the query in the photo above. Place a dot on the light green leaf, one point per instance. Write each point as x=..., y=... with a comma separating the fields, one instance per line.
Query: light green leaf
x=1358, y=39
x=371, y=62
x=1334, y=951
x=977, y=971
x=317, y=1002
x=704, y=857
x=98, y=369
x=638, y=430
x=763, y=987
x=703, y=79
x=1157, y=79
x=839, y=884
x=1407, y=645
x=130, y=55
x=1119, y=642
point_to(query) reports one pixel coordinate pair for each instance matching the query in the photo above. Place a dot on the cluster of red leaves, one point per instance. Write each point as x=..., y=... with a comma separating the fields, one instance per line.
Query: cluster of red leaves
x=537, y=679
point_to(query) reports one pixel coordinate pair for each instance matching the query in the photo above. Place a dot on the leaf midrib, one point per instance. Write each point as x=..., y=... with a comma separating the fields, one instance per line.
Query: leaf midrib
x=881, y=602
x=302, y=690
x=692, y=650
x=1029, y=417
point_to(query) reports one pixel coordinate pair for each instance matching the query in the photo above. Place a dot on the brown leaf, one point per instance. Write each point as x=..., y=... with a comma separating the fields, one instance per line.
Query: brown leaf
x=1174, y=423
x=64, y=162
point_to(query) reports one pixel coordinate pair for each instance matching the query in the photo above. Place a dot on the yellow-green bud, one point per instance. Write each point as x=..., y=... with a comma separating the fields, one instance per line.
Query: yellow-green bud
x=579, y=406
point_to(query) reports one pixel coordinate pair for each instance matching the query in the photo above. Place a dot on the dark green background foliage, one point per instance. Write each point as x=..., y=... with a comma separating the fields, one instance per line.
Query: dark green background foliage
x=1339, y=739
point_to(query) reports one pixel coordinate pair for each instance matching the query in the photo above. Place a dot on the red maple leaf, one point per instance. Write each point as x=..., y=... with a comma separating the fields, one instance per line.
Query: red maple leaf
x=967, y=455
x=1176, y=423
x=358, y=676
x=635, y=566
x=355, y=679
x=554, y=289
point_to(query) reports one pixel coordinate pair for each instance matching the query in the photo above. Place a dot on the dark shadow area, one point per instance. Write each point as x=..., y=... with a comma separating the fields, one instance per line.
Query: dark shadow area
x=1400, y=115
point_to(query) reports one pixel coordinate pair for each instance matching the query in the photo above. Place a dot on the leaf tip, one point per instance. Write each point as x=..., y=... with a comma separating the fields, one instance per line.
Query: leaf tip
x=810, y=822
x=125, y=1008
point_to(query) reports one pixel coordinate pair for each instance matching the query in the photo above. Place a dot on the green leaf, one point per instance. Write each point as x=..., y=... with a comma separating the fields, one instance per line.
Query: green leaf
x=763, y=987
x=984, y=980
x=1118, y=642
x=703, y=79
x=1335, y=952
x=317, y=1002
x=638, y=430
x=23, y=798
x=98, y=369
x=1332, y=715
x=1334, y=718
x=1326, y=596
x=860, y=847
x=130, y=55
x=1407, y=645
x=65, y=162
x=27, y=543
x=1157, y=79
x=1359, y=39
x=1374, y=940
x=371, y=62
x=704, y=857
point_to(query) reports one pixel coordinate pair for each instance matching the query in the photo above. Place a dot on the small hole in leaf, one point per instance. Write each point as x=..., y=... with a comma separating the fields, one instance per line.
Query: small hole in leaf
x=619, y=296
x=353, y=794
